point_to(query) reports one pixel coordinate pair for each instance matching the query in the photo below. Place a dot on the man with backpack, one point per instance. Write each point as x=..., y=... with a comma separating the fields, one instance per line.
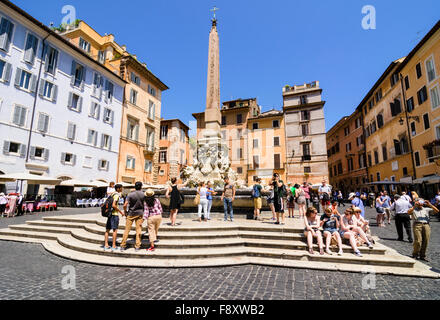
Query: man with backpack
x=134, y=207
x=111, y=210
x=256, y=194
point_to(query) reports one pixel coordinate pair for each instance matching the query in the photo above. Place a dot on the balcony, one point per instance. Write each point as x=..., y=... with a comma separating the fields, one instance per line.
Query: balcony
x=301, y=88
x=433, y=150
x=306, y=158
x=148, y=150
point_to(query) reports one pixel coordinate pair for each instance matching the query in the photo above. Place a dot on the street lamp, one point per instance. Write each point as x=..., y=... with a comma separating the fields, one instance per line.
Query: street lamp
x=416, y=118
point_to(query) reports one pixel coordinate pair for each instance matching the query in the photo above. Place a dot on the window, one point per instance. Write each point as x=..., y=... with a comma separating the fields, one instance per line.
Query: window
x=151, y=90
x=418, y=71
x=68, y=158
x=163, y=157
x=25, y=80
x=359, y=141
x=71, y=131
x=98, y=82
x=106, y=141
x=365, y=110
x=239, y=118
x=135, y=79
x=75, y=102
x=5, y=71
x=384, y=152
x=239, y=170
x=430, y=69
x=337, y=147
x=276, y=123
x=305, y=129
x=350, y=164
x=407, y=83
x=340, y=171
x=256, y=162
x=101, y=56
x=108, y=116
x=240, y=153
x=306, y=149
x=39, y=153
x=133, y=96
x=437, y=130
x=371, y=104
x=361, y=161
x=14, y=148
x=51, y=60
x=164, y=132
x=223, y=120
x=307, y=170
x=48, y=90
x=426, y=121
x=305, y=115
x=150, y=138
x=376, y=157
x=19, y=117
x=152, y=110
x=132, y=130
x=43, y=122
x=435, y=97
x=394, y=79
x=417, y=158
x=255, y=143
x=373, y=127
x=401, y=146
x=109, y=87
x=255, y=126
x=148, y=166
x=239, y=133
x=30, y=49
x=422, y=95
x=413, y=129
x=78, y=74
x=303, y=99
x=348, y=147
x=83, y=44
x=378, y=176
x=276, y=141
x=94, y=110
x=130, y=163
x=103, y=165
x=277, y=161
x=6, y=28
x=357, y=123
x=380, y=120
x=395, y=107
x=92, y=137
x=378, y=95
x=410, y=104
x=347, y=131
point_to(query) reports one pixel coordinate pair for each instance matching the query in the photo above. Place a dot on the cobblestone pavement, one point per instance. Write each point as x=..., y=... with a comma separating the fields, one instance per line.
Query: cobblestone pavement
x=29, y=272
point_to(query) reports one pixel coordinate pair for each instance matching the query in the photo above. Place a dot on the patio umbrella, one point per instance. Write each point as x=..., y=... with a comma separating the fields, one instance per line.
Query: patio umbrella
x=30, y=178
x=77, y=183
x=100, y=184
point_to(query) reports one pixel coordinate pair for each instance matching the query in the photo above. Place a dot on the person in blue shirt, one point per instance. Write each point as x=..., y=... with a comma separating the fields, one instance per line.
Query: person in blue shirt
x=209, y=196
x=386, y=205
x=357, y=202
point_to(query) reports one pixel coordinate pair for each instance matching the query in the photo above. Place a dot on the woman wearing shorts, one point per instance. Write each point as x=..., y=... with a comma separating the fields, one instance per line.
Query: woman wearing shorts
x=330, y=224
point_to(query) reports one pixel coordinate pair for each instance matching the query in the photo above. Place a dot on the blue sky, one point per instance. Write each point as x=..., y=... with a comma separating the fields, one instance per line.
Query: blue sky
x=264, y=45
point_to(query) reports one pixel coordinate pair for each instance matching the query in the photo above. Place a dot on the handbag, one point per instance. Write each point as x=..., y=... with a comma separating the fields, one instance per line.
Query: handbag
x=197, y=199
x=380, y=210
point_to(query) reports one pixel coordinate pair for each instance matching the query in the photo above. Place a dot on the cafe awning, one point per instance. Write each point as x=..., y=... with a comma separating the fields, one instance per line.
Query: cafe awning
x=428, y=180
x=30, y=178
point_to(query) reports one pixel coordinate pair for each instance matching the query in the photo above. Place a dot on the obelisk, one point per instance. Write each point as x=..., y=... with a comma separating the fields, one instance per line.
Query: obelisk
x=212, y=111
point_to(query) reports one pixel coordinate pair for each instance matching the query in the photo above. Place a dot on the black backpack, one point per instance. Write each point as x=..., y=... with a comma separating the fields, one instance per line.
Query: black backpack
x=107, y=207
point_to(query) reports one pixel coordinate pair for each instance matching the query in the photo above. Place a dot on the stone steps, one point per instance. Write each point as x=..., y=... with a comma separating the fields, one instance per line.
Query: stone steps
x=212, y=244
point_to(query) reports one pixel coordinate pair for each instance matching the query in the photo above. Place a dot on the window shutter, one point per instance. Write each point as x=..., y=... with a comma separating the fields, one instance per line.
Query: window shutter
x=22, y=116
x=70, y=131
x=83, y=79
x=102, y=140
x=80, y=102
x=63, y=158
x=54, y=93
x=7, y=72
x=95, y=142
x=34, y=83
x=134, y=163
x=6, y=145
x=72, y=72
x=127, y=163
x=392, y=109
x=69, y=103
x=98, y=112
x=136, y=134
x=32, y=155
x=109, y=142
x=101, y=84
x=107, y=165
x=29, y=49
x=112, y=117
x=3, y=34
x=73, y=159
x=22, y=150
x=41, y=88
x=40, y=123
x=18, y=77
x=16, y=117
x=397, y=106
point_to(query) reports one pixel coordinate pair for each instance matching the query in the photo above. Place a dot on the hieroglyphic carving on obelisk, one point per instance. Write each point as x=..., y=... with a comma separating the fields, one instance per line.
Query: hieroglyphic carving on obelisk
x=212, y=112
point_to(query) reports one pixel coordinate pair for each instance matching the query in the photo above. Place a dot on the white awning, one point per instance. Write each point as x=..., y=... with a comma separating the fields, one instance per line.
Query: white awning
x=30, y=178
x=428, y=180
x=77, y=183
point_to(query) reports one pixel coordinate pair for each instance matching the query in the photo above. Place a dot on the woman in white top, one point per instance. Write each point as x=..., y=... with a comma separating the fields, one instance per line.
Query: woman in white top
x=311, y=230
x=349, y=229
x=202, y=191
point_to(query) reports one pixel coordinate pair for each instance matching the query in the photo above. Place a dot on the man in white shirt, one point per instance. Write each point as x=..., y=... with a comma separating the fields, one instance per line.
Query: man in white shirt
x=406, y=197
x=324, y=192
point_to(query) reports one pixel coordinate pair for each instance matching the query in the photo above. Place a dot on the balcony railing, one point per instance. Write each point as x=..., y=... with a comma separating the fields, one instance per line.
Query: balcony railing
x=306, y=158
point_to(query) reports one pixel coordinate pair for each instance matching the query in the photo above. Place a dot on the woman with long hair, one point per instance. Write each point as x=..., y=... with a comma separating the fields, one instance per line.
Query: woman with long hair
x=202, y=191
x=301, y=199
x=175, y=201
x=311, y=230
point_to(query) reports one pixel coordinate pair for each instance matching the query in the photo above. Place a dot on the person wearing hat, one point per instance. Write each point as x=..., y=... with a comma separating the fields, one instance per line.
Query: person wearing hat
x=401, y=206
x=134, y=210
x=421, y=229
x=357, y=202
x=153, y=214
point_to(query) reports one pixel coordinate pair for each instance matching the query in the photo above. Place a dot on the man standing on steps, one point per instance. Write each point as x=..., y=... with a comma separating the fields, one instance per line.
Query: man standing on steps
x=401, y=205
x=113, y=220
x=228, y=198
x=256, y=195
x=134, y=211
x=324, y=192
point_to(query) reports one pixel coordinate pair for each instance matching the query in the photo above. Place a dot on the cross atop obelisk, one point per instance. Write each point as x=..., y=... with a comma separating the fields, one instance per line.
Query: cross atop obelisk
x=214, y=10
x=212, y=112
